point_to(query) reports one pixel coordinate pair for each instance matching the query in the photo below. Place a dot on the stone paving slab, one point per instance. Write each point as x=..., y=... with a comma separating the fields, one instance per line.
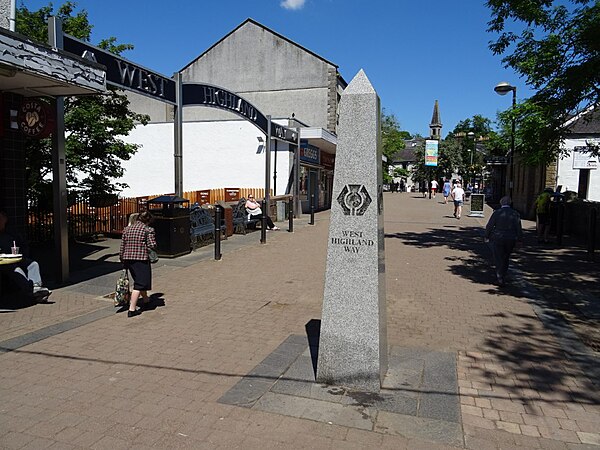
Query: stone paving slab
x=52, y=330
x=284, y=383
x=417, y=427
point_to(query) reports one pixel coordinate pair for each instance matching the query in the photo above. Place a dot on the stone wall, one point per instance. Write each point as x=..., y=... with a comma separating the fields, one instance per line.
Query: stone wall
x=529, y=181
x=332, y=99
x=5, y=14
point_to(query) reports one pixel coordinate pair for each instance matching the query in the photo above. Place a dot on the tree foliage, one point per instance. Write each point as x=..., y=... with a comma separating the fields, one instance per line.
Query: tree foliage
x=392, y=141
x=462, y=151
x=94, y=125
x=555, y=46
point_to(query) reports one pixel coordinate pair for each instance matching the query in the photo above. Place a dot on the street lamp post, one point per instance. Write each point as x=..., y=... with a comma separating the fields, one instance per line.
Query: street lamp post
x=504, y=88
x=471, y=151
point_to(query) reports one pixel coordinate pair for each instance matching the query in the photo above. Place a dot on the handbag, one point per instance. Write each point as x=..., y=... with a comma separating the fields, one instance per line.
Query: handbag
x=152, y=255
x=122, y=292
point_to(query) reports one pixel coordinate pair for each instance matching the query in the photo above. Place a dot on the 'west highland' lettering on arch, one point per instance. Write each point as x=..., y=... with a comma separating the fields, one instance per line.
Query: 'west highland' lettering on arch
x=196, y=94
x=228, y=100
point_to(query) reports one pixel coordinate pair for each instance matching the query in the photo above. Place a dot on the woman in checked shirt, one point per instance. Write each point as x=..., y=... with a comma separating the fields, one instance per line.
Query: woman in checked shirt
x=137, y=239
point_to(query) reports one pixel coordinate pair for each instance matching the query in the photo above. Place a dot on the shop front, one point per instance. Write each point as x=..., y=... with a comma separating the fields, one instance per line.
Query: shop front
x=316, y=177
x=32, y=77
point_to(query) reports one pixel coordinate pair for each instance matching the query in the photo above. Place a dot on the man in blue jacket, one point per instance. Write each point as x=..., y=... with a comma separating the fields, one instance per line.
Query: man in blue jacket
x=504, y=232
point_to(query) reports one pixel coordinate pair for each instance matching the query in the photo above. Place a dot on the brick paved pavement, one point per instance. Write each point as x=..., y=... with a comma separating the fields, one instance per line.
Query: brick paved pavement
x=153, y=381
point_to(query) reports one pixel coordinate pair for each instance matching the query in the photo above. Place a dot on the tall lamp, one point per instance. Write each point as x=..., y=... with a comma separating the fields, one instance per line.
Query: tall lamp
x=504, y=88
x=471, y=135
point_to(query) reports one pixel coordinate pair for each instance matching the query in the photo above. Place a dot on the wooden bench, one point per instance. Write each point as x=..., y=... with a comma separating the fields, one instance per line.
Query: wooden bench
x=202, y=226
x=241, y=219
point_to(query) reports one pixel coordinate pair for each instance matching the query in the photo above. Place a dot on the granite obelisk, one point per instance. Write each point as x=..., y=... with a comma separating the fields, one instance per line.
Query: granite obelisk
x=353, y=339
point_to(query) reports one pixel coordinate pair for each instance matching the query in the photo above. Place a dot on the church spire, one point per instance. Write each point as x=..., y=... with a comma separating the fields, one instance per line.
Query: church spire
x=435, y=127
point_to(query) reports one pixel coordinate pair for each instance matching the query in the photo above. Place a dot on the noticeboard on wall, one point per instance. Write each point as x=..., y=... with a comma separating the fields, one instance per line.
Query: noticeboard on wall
x=583, y=159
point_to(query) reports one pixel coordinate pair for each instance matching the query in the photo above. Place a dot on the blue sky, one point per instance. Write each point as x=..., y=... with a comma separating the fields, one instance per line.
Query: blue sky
x=414, y=52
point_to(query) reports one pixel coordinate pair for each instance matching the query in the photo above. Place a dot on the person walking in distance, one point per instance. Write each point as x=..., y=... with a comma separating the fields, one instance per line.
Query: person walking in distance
x=458, y=196
x=434, y=187
x=136, y=240
x=446, y=190
x=504, y=232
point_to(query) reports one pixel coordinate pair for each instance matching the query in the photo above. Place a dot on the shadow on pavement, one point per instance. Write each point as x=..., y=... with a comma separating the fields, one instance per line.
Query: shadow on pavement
x=567, y=281
x=313, y=333
x=529, y=359
x=476, y=266
x=546, y=266
x=87, y=260
x=156, y=300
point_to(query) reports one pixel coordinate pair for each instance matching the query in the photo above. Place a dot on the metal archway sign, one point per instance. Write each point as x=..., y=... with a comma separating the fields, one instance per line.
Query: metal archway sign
x=125, y=74
x=197, y=94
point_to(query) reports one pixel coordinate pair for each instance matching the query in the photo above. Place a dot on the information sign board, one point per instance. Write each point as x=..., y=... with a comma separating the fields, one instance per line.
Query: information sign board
x=431, y=153
x=477, y=202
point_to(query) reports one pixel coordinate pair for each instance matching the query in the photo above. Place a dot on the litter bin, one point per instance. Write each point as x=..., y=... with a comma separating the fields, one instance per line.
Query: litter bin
x=172, y=225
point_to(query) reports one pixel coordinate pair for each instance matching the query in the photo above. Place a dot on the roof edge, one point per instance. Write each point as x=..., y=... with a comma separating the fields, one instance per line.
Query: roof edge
x=250, y=20
x=578, y=116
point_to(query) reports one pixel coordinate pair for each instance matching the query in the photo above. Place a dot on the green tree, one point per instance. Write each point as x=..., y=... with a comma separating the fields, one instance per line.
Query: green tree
x=392, y=141
x=94, y=125
x=479, y=125
x=554, y=45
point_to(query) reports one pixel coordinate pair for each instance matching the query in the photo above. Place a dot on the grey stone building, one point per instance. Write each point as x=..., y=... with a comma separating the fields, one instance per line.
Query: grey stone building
x=274, y=73
x=281, y=78
x=278, y=76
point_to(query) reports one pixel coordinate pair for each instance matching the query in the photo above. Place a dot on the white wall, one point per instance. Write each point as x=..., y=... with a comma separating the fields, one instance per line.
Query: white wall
x=215, y=155
x=569, y=177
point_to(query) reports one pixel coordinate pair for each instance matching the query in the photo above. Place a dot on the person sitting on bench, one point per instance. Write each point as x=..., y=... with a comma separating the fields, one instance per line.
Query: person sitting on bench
x=26, y=274
x=253, y=209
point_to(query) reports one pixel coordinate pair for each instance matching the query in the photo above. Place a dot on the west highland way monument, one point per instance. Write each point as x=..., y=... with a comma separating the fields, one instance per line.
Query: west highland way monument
x=359, y=383
x=353, y=337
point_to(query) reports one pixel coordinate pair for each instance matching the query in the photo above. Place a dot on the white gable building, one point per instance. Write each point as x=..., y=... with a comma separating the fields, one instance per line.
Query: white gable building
x=293, y=85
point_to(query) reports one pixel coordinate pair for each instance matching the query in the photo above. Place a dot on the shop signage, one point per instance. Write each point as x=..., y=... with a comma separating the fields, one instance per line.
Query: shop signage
x=327, y=160
x=310, y=153
x=35, y=119
x=122, y=73
x=477, y=202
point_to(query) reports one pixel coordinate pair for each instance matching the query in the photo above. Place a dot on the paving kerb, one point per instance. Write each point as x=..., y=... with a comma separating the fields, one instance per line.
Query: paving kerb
x=155, y=379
